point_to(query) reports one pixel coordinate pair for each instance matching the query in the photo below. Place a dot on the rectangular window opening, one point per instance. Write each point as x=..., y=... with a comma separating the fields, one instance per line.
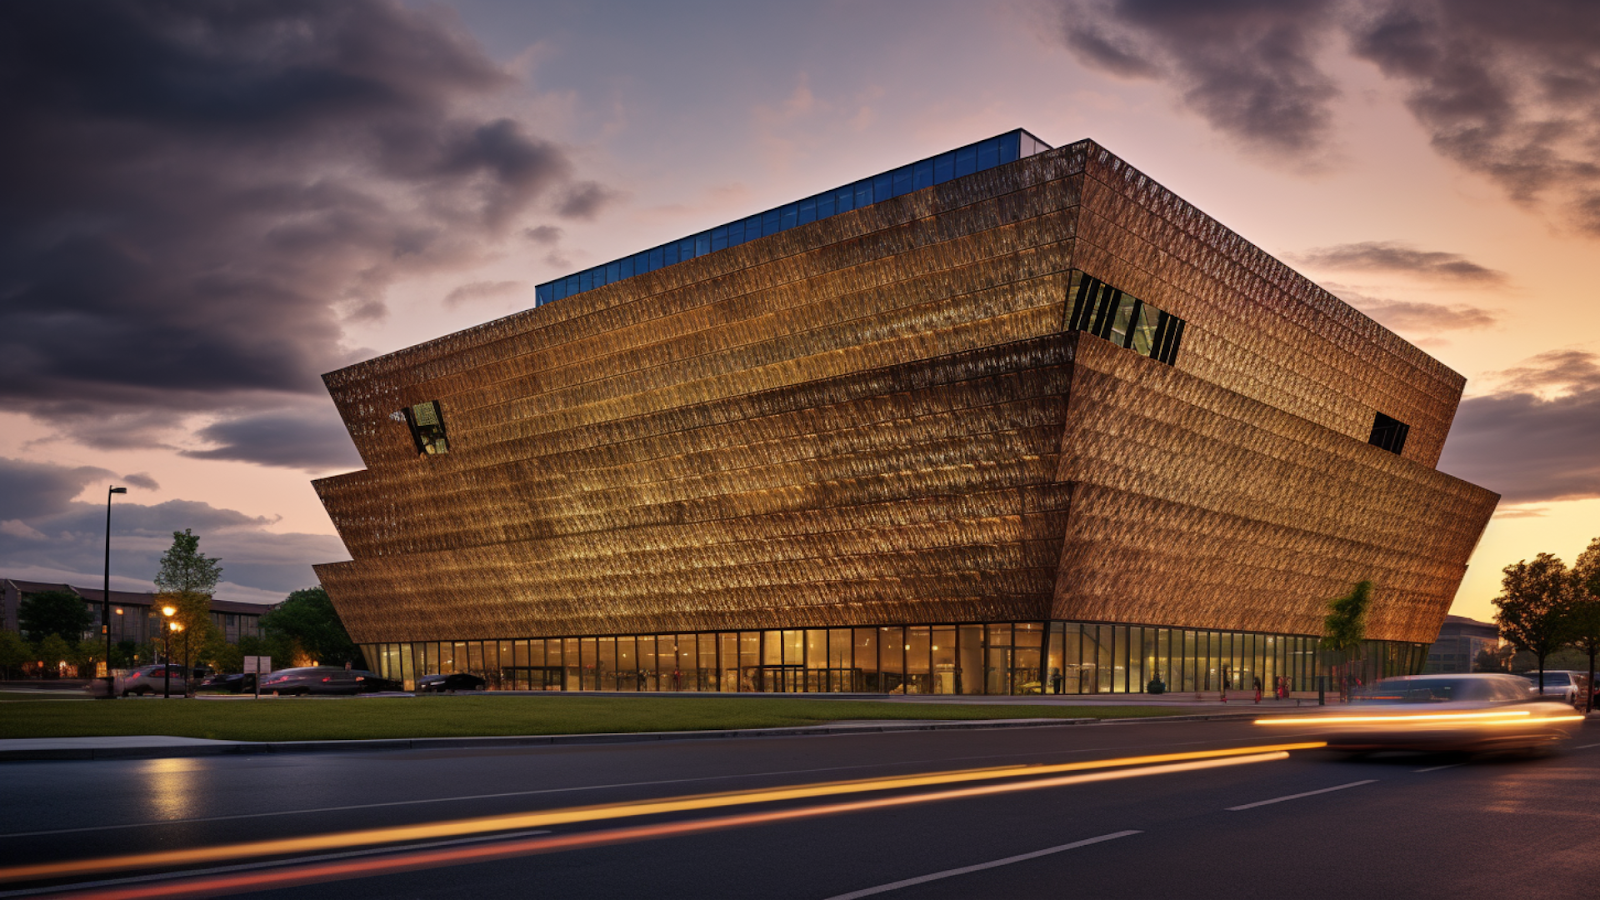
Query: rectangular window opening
x=1388, y=433
x=426, y=422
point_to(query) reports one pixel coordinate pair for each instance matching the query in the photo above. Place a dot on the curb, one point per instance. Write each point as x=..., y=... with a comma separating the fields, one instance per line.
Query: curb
x=460, y=743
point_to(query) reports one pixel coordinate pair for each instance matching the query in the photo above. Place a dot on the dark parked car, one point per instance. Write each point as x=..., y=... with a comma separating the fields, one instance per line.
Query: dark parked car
x=455, y=681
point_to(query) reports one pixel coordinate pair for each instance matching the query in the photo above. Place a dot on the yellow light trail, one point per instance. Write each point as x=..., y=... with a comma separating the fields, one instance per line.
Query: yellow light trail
x=402, y=861
x=602, y=812
x=1518, y=715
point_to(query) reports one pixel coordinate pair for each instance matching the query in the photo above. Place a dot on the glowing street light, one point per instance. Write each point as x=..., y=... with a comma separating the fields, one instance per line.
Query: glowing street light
x=166, y=661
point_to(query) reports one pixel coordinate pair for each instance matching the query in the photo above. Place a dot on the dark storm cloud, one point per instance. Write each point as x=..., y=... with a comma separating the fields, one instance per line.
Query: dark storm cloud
x=141, y=480
x=1391, y=256
x=483, y=290
x=1509, y=90
x=585, y=200
x=1246, y=66
x=45, y=534
x=310, y=437
x=543, y=234
x=198, y=195
x=29, y=490
x=1533, y=440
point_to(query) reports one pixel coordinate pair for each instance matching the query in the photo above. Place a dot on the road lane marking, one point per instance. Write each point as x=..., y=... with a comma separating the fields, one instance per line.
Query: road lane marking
x=1587, y=747
x=585, y=787
x=1124, y=767
x=951, y=873
x=267, y=864
x=1339, y=787
x=1437, y=768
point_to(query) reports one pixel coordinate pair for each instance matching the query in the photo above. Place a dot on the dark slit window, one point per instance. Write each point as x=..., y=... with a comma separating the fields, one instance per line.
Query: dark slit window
x=1123, y=319
x=427, y=428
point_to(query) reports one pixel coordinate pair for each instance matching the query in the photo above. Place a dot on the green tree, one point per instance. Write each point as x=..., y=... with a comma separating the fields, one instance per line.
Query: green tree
x=1584, y=620
x=307, y=619
x=52, y=652
x=192, y=613
x=1535, y=607
x=85, y=654
x=184, y=569
x=61, y=613
x=1345, y=626
x=14, y=652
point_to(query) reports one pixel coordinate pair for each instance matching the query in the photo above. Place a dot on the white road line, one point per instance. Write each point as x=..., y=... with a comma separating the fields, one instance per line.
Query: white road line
x=1298, y=796
x=951, y=873
x=585, y=787
x=268, y=864
x=1437, y=768
x=1587, y=747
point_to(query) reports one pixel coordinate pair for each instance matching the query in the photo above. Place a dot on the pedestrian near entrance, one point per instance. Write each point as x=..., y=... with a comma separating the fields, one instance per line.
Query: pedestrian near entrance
x=1258, y=688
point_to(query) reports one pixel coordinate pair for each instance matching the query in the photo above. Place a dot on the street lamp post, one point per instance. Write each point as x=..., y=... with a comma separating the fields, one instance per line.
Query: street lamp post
x=105, y=595
x=168, y=628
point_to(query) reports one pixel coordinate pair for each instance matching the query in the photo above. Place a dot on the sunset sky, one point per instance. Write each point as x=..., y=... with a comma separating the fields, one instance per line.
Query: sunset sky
x=204, y=206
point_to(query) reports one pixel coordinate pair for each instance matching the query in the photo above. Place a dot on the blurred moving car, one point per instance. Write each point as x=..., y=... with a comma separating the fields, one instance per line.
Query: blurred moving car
x=147, y=680
x=1478, y=712
x=232, y=682
x=455, y=681
x=1566, y=684
x=325, y=680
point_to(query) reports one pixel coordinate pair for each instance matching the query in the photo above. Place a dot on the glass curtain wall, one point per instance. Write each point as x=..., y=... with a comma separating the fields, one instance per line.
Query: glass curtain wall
x=989, y=658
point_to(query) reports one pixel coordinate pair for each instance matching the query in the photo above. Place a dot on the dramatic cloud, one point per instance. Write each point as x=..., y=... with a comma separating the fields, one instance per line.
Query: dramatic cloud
x=49, y=537
x=1534, y=439
x=585, y=200
x=1391, y=256
x=141, y=480
x=483, y=290
x=199, y=195
x=1422, y=319
x=310, y=437
x=1247, y=66
x=1509, y=90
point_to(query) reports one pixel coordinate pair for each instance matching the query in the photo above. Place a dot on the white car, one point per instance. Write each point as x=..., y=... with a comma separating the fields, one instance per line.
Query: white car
x=1563, y=683
x=1479, y=712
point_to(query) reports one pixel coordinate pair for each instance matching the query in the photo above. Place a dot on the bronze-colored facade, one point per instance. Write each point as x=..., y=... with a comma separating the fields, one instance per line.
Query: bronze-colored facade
x=883, y=417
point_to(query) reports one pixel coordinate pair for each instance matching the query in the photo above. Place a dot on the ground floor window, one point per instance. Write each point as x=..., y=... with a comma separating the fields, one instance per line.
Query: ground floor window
x=964, y=658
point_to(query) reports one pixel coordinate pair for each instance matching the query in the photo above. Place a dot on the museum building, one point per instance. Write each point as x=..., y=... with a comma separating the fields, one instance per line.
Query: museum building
x=1010, y=419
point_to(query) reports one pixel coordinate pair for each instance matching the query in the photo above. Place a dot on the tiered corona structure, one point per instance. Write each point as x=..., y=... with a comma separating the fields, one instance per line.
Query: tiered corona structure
x=1023, y=421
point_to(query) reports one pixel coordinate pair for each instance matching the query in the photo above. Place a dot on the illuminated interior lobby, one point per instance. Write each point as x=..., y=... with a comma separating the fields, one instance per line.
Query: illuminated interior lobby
x=1009, y=419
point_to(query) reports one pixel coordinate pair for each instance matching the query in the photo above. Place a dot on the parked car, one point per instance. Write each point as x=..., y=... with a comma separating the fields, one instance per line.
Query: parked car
x=1477, y=712
x=455, y=681
x=147, y=680
x=1566, y=684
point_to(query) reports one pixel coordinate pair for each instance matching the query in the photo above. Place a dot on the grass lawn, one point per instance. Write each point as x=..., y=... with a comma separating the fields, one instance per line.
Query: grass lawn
x=472, y=716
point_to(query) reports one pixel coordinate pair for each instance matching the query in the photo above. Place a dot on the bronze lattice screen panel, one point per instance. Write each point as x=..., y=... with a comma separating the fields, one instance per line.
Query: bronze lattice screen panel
x=879, y=418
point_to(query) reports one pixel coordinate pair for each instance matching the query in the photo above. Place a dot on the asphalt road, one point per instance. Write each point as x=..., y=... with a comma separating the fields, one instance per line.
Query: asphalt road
x=1308, y=826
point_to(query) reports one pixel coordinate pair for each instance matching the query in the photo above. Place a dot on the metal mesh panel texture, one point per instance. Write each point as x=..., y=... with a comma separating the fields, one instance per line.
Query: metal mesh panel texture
x=878, y=418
